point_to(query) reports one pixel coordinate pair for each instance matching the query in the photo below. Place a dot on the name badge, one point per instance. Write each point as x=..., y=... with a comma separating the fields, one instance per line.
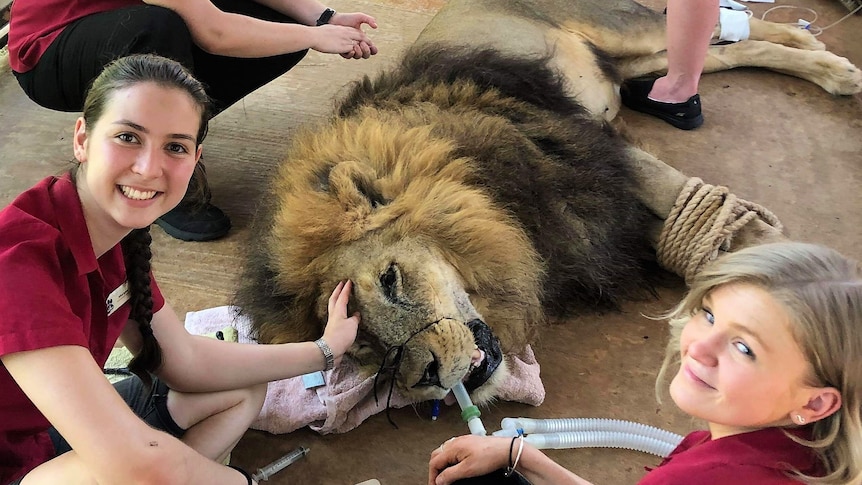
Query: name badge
x=118, y=297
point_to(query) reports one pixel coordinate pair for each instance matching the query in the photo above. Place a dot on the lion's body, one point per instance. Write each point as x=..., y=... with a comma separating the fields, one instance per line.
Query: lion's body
x=469, y=187
x=480, y=157
x=536, y=154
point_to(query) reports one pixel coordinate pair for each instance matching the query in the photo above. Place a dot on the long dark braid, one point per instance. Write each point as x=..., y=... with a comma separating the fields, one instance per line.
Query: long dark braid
x=120, y=74
x=137, y=253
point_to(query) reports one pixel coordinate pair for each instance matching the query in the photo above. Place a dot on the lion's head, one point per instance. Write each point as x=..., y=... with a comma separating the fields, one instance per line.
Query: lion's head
x=431, y=258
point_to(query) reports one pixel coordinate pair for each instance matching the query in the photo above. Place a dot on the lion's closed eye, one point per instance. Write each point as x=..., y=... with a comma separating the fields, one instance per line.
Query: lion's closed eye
x=389, y=282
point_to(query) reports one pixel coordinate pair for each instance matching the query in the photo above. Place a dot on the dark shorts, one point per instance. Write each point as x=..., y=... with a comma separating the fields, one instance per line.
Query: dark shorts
x=62, y=76
x=151, y=404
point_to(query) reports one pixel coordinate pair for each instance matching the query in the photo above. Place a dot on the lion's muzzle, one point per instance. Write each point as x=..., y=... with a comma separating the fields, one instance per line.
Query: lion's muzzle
x=443, y=355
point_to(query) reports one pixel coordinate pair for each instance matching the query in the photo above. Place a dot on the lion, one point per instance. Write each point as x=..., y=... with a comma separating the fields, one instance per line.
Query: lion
x=478, y=188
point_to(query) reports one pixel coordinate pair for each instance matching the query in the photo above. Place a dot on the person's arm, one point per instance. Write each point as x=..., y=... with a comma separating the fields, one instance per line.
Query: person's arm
x=472, y=456
x=541, y=470
x=110, y=443
x=236, y=35
x=193, y=363
x=308, y=11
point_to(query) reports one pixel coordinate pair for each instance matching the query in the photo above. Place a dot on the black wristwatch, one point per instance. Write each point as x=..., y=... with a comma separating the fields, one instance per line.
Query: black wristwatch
x=325, y=17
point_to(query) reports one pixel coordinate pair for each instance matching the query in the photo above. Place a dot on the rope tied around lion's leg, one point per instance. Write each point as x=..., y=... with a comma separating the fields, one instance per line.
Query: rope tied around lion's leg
x=703, y=221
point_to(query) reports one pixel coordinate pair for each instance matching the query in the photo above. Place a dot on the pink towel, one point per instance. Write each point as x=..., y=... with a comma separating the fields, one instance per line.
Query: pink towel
x=347, y=399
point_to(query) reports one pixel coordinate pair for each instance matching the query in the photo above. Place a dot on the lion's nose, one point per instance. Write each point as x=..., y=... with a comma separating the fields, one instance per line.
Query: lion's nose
x=431, y=376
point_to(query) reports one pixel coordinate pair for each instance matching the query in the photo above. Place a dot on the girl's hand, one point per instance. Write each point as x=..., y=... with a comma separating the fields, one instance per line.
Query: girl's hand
x=355, y=20
x=340, y=331
x=467, y=456
x=362, y=50
x=348, y=41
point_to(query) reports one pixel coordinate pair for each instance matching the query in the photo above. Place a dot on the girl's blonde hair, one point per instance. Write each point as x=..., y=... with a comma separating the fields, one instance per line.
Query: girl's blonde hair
x=821, y=291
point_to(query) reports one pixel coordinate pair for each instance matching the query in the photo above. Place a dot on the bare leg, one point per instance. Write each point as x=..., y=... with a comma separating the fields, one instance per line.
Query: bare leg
x=216, y=421
x=690, y=24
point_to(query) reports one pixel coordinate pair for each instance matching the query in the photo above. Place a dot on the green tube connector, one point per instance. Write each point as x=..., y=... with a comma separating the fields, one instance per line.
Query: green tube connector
x=469, y=413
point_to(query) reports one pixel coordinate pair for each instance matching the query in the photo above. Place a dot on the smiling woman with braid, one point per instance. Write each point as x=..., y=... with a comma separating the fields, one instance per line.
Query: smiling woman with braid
x=75, y=258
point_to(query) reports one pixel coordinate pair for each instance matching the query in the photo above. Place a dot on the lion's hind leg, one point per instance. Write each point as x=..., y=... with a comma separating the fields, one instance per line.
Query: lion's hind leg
x=833, y=73
x=694, y=221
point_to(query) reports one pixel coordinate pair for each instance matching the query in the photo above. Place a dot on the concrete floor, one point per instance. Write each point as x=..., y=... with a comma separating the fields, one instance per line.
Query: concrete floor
x=772, y=139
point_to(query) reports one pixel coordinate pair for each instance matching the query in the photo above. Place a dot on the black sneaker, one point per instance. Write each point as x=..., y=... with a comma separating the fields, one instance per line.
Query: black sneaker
x=195, y=222
x=685, y=116
x=195, y=218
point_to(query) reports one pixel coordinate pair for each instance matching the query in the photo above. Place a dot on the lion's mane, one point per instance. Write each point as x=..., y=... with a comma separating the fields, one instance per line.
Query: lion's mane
x=480, y=156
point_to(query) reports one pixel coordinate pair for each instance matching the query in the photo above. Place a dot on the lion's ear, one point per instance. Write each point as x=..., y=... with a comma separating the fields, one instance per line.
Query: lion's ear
x=355, y=184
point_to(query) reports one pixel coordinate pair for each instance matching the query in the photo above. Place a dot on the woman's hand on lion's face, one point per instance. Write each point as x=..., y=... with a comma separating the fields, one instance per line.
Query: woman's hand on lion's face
x=340, y=329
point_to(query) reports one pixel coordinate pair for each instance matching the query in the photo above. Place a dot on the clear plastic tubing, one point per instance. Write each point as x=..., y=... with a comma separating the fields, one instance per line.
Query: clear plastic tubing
x=600, y=439
x=469, y=412
x=529, y=425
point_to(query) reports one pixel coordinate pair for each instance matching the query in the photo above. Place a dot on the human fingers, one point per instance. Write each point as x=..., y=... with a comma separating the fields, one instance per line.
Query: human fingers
x=453, y=473
x=450, y=453
x=337, y=39
x=356, y=53
x=333, y=298
x=365, y=49
x=344, y=296
x=443, y=445
x=356, y=20
x=439, y=461
x=359, y=51
x=369, y=21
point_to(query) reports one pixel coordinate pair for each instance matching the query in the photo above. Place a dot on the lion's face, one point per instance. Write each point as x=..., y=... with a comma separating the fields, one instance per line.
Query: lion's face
x=414, y=309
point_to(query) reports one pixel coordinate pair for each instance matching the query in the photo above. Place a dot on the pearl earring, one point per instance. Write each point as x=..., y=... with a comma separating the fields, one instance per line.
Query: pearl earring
x=800, y=419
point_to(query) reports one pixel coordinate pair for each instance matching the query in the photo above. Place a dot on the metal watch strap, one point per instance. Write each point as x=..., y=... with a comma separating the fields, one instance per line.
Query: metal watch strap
x=325, y=17
x=327, y=353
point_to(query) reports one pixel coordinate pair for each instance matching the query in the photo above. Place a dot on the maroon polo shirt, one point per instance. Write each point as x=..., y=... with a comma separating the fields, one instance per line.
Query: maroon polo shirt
x=763, y=457
x=53, y=292
x=35, y=24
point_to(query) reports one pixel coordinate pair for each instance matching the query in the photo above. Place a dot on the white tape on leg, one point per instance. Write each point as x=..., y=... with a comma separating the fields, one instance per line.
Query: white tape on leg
x=734, y=25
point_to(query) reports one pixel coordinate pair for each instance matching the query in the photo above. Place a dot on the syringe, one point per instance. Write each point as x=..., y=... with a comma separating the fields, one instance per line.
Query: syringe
x=279, y=465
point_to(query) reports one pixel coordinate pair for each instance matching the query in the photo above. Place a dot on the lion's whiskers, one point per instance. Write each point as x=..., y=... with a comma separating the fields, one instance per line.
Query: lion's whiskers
x=394, y=366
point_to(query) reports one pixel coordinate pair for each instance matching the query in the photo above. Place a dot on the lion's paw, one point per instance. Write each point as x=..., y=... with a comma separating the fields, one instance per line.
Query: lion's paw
x=840, y=76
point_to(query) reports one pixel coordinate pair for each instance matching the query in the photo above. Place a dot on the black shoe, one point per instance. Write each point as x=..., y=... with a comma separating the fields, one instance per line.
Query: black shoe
x=195, y=218
x=685, y=116
x=194, y=222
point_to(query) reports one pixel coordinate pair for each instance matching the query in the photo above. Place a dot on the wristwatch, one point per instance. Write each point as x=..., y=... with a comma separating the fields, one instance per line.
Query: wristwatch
x=325, y=17
x=327, y=353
